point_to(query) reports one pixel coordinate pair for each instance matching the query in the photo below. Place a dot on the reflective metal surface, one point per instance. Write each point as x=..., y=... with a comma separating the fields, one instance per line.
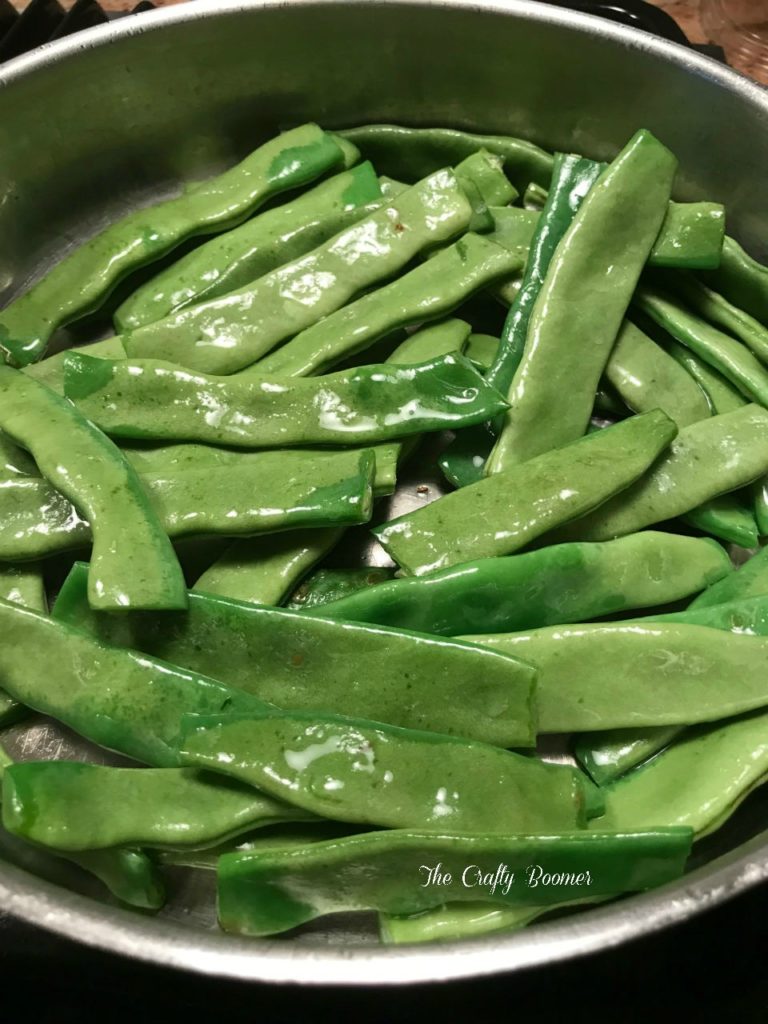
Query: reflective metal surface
x=120, y=115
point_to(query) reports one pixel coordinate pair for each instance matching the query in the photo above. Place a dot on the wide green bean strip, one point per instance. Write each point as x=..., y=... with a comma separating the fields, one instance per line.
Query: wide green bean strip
x=14, y=461
x=563, y=583
x=264, y=569
x=608, y=755
x=128, y=874
x=741, y=279
x=276, y=491
x=572, y=178
x=727, y=355
x=233, y=331
x=503, y=513
x=600, y=676
x=580, y=307
x=722, y=395
x=728, y=518
x=229, y=261
x=20, y=584
x=149, y=399
x=692, y=235
x=482, y=173
x=718, y=310
x=68, y=805
x=318, y=664
x=698, y=782
x=123, y=700
x=646, y=378
x=456, y=921
x=84, y=279
x=706, y=459
x=329, y=586
x=410, y=153
x=354, y=770
x=749, y=580
x=263, y=893
x=427, y=292
x=269, y=838
x=133, y=563
x=50, y=371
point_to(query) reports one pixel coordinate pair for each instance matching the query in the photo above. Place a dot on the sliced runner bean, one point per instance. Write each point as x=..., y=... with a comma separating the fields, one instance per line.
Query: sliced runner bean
x=329, y=586
x=261, y=893
x=150, y=399
x=264, y=569
x=50, y=371
x=84, y=279
x=698, y=782
x=750, y=580
x=503, y=513
x=354, y=770
x=611, y=754
x=68, y=805
x=231, y=332
x=276, y=491
x=411, y=153
x=429, y=291
x=564, y=583
x=722, y=395
x=708, y=458
x=619, y=675
x=231, y=260
x=646, y=378
x=580, y=307
x=315, y=664
x=133, y=563
x=718, y=310
x=122, y=700
x=728, y=518
x=741, y=279
x=19, y=584
x=692, y=236
x=727, y=355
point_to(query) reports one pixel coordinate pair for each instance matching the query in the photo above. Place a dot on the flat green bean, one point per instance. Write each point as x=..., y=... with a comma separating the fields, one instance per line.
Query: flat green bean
x=354, y=770
x=329, y=586
x=581, y=305
x=150, y=399
x=750, y=580
x=231, y=332
x=502, y=513
x=706, y=459
x=83, y=280
x=229, y=261
x=317, y=664
x=741, y=279
x=718, y=310
x=133, y=563
x=600, y=676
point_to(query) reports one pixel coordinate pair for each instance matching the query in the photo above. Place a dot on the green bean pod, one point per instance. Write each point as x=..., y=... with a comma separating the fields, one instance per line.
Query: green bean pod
x=706, y=459
x=427, y=292
x=411, y=153
x=749, y=580
x=726, y=517
x=263, y=893
x=355, y=770
x=718, y=310
x=314, y=664
x=122, y=700
x=608, y=755
x=24, y=585
x=82, y=281
x=563, y=583
x=727, y=355
x=133, y=563
x=691, y=236
x=229, y=261
x=274, y=491
x=233, y=331
x=330, y=586
x=741, y=279
x=153, y=400
x=582, y=302
x=698, y=782
x=501, y=514
x=599, y=676
x=67, y=805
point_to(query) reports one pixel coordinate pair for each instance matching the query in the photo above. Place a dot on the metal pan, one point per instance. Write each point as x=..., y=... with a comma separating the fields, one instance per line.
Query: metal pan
x=119, y=115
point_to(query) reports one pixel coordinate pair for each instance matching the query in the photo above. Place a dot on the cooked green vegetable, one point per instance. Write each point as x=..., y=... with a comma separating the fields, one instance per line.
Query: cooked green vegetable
x=501, y=514
x=153, y=400
x=294, y=661
x=133, y=563
x=261, y=893
x=355, y=770
x=231, y=332
x=330, y=586
x=82, y=281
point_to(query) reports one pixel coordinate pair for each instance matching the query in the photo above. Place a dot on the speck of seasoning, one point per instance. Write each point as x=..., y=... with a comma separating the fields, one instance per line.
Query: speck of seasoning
x=297, y=660
x=422, y=489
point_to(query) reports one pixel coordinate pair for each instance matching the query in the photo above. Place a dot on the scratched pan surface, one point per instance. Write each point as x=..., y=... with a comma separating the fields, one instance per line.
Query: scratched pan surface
x=119, y=116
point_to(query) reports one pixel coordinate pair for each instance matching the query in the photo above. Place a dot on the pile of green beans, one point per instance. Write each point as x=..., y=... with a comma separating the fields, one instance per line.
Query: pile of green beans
x=584, y=359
